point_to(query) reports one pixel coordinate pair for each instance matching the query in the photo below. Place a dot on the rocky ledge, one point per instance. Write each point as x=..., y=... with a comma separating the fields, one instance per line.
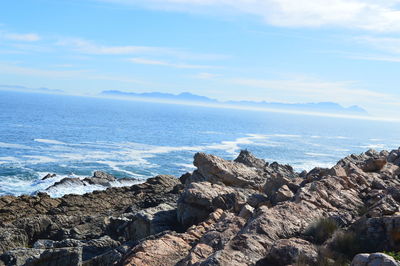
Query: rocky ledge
x=241, y=212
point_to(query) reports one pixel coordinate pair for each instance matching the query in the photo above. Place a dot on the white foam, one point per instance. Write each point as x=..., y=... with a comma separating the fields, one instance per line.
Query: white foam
x=285, y=135
x=13, y=146
x=373, y=146
x=309, y=165
x=79, y=189
x=37, y=159
x=50, y=141
x=314, y=154
x=186, y=166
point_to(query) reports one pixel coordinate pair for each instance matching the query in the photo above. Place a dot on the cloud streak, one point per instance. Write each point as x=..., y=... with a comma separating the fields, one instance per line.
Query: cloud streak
x=376, y=16
x=167, y=64
x=28, y=37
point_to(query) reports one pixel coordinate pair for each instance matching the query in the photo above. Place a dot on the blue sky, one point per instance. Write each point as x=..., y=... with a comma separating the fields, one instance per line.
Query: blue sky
x=346, y=51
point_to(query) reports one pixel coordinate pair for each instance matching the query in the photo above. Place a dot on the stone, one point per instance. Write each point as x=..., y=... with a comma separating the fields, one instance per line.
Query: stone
x=43, y=257
x=374, y=165
x=375, y=259
x=246, y=212
x=292, y=251
x=283, y=194
x=48, y=176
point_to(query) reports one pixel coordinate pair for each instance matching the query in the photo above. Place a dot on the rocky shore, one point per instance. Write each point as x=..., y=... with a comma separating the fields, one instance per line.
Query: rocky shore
x=241, y=212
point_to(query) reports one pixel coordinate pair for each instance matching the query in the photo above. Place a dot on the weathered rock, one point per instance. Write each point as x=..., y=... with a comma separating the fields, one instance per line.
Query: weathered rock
x=242, y=212
x=248, y=159
x=43, y=257
x=374, y=165
x=199, y=199
x=292, y=251
x=382, y=232
x=26, y=219
x=48, y=176
x=246, y=212
x=283, y=194
x=375, y=259
x=170, y=248
x=150, y=221
x=217, y=170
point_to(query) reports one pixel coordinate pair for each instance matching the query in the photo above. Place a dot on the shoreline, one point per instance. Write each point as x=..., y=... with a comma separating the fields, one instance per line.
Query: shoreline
x=240, y=212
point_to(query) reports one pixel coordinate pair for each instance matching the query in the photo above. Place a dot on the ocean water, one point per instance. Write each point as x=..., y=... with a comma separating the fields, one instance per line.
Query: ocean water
x=74, y=136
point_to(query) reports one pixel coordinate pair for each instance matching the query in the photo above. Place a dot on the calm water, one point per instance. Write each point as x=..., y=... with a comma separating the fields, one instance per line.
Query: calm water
x=73, y=136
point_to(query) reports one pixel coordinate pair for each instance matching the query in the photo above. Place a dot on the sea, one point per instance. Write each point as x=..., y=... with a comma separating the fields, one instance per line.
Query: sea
x=72, y=136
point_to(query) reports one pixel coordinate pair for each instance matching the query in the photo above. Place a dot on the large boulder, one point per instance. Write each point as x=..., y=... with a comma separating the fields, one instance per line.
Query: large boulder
x=375, y=259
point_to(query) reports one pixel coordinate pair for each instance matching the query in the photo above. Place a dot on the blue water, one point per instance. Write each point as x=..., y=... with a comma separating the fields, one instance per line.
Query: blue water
x=73, y=136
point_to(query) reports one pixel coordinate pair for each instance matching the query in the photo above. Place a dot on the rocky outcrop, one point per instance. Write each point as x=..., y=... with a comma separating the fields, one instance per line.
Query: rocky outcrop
x=83, y=221
x=241, y=212
x=376, y=259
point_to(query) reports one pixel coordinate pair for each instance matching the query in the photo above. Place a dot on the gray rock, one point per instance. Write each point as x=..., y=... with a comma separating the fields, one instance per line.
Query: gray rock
x=375, y=259
x=43, y=257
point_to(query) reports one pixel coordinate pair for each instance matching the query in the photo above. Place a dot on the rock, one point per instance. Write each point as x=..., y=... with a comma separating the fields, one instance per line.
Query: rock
x=199, y=199
x=26, y=219
x=274, y=183
x=360, y=260
x=48, y=176
x=217, y=170
x=374, y=165
x=242, y=212
x=248, y=159
x=386, y=206
x=184, y=177
x=283, y=194
x=66, y=182
x=337, y=170
x=43, y=257
x=292, y=251
x=383, y=233
x=246, y=212
x=169, y=248
x=148, y=222
x=375, y=259
x=103, y=175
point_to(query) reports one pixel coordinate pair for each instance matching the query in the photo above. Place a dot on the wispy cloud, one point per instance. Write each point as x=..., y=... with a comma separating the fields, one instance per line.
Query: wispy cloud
x=386, y=44
x=28, y=37
x=168, y=64
x=86, y=74
x=376, y=16
x=88, y=47
x=382, y=58
x=206, y=75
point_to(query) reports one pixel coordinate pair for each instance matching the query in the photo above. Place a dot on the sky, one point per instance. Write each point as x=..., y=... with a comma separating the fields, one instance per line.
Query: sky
x=298, y=51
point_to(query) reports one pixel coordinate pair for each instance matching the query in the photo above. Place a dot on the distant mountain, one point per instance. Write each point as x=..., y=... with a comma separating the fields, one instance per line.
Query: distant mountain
x=28, y=89
x=185, y=97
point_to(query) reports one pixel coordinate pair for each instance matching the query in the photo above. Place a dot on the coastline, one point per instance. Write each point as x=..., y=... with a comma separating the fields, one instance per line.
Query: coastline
x=240, y=212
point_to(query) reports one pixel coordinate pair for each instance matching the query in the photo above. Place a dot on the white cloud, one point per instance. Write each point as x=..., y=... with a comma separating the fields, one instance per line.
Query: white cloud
x=29, y=37
x=387, y=44
x=379, y=16
x=206, y=75
x=88, y=47
x=167, y=64
x=382, y=58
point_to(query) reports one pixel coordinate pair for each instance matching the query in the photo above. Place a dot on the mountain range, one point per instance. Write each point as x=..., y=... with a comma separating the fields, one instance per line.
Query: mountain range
x=187, y=97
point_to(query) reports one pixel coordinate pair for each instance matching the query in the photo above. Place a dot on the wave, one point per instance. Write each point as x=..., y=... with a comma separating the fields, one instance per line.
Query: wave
x=13, y=146
x=50, y=141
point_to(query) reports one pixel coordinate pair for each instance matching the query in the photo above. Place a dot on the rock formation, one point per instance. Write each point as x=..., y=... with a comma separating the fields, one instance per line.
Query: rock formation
x=241, y=212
